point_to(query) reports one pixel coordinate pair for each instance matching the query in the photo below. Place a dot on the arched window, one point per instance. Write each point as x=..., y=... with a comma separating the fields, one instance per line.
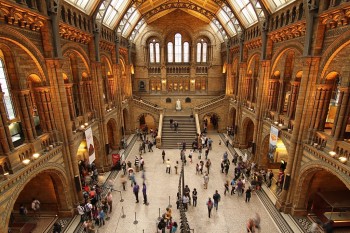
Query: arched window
x=151, y=53
x=202, y=50
x=154, y=52
x=178, y=50
x=5, y=89
x=170, y=52
x=186, y=52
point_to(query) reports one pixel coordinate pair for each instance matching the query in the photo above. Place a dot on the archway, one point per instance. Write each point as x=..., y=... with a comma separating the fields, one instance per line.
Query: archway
x=211, y=121
x=50, y=188
x=323, y=194
x=112, y=134
x=146, y=122
x=248, y=132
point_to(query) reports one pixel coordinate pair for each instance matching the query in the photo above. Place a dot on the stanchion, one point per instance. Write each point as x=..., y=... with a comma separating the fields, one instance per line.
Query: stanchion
x=169, y=206
x=121, y=196
x=159, y=218
x=123, y=215
x=135, y=222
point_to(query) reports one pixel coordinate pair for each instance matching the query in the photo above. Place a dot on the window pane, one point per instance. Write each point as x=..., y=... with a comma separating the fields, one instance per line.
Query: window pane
x=5, y=90
x=170, y=52
x=157, y=53
x=186, y=52
x=199, y=48
x=204, y=59
x=151, y=53
x=178, y=47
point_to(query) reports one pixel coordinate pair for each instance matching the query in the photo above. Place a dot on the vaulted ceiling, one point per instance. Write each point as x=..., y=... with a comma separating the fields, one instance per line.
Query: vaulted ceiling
x=227, y=17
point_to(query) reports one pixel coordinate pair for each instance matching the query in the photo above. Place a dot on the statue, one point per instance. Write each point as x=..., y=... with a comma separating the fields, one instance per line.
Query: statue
x=178, y=105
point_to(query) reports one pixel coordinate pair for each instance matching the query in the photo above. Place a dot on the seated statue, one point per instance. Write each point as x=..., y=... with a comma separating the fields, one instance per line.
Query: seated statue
x=178, y=105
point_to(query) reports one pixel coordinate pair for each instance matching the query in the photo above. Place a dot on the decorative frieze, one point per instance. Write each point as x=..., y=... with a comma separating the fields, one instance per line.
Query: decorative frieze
x=74, y=34
x=289, y=32
x=17, y=16
x=253, y=44
x=339, y=17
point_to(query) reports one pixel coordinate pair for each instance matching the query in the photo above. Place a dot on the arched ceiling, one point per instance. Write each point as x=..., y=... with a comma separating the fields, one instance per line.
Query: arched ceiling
x=226, y=17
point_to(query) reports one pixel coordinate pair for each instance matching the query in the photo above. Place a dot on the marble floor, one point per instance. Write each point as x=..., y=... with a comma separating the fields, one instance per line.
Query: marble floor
x=231, y=216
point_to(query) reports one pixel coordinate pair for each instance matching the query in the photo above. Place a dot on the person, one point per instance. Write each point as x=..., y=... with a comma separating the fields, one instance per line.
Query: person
x=257, y=222
x=190, y=155
x=171, y=121
x=123, y=181
x=142, y=163
x=23, y=211
x=194, y=197
x=81, y=212
x=163, y=156
x=248, y=194
x=136, y=191
x=178, y=105
x=210, y=206
x=168, y=215
x=123, y=165
x=328, y=226
x=185, y=201
x=233, y=182
x=176, y=166
x=216, y=198
x=36, y=206
x=101, y=216
x=162, y=225
x=206, y=153
x=57, y=228
x=206, y=180
x=270, y=177
x=250, y=226
x=144, y=192
x=207, y=165
x=168, y=166
x=176, y=125
x=110, y=200
x=174, y=227
x=226, y=186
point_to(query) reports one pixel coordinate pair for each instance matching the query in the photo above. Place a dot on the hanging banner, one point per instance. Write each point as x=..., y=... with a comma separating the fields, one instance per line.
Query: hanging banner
x=273, y=142
x=90, y=144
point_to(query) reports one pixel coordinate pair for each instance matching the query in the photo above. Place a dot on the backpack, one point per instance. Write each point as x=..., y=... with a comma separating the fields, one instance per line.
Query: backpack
x=210, y=204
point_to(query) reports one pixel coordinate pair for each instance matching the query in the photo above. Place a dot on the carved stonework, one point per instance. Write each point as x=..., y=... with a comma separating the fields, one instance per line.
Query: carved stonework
x=253, y=44
x=74, y=34
x=339, y=17
x=21, y=17
x=288, y=32
x=107, y=46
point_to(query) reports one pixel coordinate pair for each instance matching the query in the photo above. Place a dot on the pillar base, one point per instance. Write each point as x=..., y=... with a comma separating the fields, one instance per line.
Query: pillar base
x=299, y=212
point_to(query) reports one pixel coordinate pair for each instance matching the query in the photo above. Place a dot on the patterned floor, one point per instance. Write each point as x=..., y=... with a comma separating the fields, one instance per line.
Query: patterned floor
x=305, y=223
x=64, y=222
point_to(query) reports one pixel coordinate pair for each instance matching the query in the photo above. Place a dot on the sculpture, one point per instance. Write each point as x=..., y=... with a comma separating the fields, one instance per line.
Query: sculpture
x=178, y=105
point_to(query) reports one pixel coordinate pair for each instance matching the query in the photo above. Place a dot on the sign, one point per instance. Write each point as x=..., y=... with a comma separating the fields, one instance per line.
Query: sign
x=273, y=142
x=90, y=144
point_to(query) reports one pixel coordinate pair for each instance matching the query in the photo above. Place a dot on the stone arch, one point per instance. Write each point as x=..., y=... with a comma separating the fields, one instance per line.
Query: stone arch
x=112, y=134
x=305, y=176
x=58, y=175
x=247, y=131
x=72, y=47
x=107, y=60
x=278, y=55
x=150, y=34
x=205, y=33
x=151, y=122
x=210, y=116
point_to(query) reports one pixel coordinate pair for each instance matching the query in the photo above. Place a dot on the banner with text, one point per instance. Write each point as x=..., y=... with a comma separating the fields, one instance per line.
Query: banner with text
x=273, y=142
x=90, y=144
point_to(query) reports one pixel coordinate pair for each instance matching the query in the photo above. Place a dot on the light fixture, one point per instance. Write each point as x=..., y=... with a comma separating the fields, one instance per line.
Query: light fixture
x=280, y=125
x=36, y=155
x=86, y=124
x=6, y=173
x=276, y=122
x=343, y=159
x=332, y=154
x=82, y=126
x=26, y=161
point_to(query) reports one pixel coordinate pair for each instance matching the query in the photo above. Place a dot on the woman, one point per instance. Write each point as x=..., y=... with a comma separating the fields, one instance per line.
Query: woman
x=194, y=197
x=226, y=185
x=210, y=205
x=174, y=227
x=250, y=226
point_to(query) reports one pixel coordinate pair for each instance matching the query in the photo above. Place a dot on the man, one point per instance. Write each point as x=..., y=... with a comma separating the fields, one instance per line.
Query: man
x=210, y=206
x=110, y=201
x=36, y=206
x=171, y=123
x=81, y=212
x=216, y=198
x=176, y=125
x=185, y=201
x=163, y=156
x=168, y=166
x=206, y=180
x=144, y=192
x=136, y=189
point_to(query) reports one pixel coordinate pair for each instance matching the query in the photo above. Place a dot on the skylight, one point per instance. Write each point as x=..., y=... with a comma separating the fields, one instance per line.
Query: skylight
x=274, y=5
x=245, y=11
x=114, y=12
x=83, y=5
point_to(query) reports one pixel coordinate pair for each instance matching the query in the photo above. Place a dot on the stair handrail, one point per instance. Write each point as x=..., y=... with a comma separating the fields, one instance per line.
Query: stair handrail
x=160, y=127
x=135, y=97
x=210, y=102
x=154, y=107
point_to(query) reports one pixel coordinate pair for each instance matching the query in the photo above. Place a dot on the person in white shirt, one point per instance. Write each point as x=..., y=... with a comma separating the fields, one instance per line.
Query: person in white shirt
x=185, y=201
x=81, y=212
x=36, y=207
x=168, y=166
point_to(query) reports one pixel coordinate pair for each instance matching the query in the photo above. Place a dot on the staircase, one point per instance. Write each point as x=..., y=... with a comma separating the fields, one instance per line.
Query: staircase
x=186, y=132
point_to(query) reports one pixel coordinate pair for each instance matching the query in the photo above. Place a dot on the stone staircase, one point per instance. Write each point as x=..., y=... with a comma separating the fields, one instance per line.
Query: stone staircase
x=186, y=132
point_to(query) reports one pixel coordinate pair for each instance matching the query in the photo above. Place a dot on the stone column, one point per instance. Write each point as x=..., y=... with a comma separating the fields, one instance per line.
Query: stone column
x=5, y=136
x=70, y=101
x=26, y=115
x=293, y=99
x=341, y=113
